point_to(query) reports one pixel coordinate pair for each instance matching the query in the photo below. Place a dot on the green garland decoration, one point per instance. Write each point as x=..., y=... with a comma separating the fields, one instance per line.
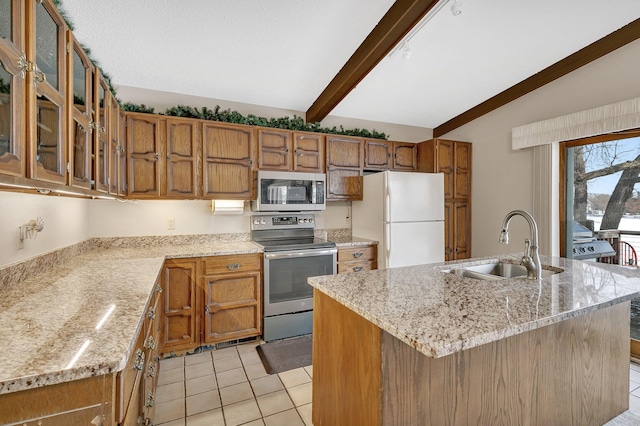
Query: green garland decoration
x=296, y=123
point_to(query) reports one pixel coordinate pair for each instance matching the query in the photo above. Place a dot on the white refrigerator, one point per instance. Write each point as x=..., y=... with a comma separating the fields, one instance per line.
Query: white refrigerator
x=404, y=212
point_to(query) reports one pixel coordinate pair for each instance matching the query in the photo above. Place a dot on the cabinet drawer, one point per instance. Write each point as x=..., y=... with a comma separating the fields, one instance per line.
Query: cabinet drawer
x=232, y=263
x=356, y=266
x=129, y=378
x=360, y=253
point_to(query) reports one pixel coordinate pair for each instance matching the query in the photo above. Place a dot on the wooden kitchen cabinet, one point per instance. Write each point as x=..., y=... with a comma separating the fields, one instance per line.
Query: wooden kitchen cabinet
x=12, y=91
x=115, y=146
x=178, y=307
x=228, y=153
x=162, y=155
x=453, y=159
x=232, y=297
x=358, y=258
x=80, y=98
x=46, y=92
x=377, y=154
x=274, y=149
x=345, y=161
x=100, y=133
x=308, y=152
x=405, y=156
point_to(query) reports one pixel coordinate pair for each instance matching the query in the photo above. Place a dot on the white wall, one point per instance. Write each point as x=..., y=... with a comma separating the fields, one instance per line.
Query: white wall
x=66, y=222
x=502, y=178
x=163, y=100
x=142, y=218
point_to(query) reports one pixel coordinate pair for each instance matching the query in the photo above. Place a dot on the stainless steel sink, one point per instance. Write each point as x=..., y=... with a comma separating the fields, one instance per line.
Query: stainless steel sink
x=495, y=271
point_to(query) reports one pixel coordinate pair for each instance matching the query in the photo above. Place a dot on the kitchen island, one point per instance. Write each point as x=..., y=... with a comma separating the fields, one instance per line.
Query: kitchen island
x=419, y=345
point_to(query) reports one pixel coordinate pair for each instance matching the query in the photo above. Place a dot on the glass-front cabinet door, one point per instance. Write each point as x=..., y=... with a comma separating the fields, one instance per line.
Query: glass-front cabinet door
x=100, y=137
x=12, y=87
x=46, y=131
x=114, y=143
x=80, y=97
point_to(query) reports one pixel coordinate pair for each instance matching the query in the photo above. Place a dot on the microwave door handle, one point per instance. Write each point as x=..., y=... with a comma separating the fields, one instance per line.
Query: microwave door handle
x=314, y=190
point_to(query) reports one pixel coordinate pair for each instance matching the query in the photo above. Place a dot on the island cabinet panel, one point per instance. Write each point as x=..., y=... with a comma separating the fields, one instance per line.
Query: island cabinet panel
x=79, y=402
x=575, y=372
x=232, y=297
x=178, y=330
x=308, y=152
x=274, y=149
x=346, y=357
x=345, y=161
x=228, y=153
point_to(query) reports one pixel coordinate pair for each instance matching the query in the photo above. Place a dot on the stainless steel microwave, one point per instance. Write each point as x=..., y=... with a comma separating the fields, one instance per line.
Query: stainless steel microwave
x=289, y=191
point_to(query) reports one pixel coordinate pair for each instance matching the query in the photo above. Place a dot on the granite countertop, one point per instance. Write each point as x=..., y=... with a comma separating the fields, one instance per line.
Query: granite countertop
x=349, y=241
x=46, y=320
x=440, y=313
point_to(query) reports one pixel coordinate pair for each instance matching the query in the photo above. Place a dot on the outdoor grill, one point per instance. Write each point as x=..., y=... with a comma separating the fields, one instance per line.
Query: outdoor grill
x=586, y=246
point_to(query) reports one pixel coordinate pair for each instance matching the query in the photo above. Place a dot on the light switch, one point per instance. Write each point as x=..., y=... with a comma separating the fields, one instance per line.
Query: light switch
x=171, y=223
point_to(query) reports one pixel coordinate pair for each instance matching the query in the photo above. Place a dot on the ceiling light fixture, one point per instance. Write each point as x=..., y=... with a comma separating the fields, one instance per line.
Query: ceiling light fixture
x=456, y=7
x=430, y=14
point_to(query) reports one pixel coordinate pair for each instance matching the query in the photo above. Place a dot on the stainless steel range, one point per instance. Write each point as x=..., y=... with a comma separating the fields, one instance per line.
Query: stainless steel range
x=291, y=255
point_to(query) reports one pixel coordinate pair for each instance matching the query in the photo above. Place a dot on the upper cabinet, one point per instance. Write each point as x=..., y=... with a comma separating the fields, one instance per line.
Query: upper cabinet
x=386, y=155
x=181, y=174
x=308, y=152
x=405, y=156
x=228, y=153
x=345, y=161
x=80, y=95
x=12, y=88
x=46, y=91
x=290, y=151
x=100, y=133
x=145, y=140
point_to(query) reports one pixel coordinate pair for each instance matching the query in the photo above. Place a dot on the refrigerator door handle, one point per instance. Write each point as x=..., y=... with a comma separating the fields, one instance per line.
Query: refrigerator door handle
x=387, y=244
x=387, y=205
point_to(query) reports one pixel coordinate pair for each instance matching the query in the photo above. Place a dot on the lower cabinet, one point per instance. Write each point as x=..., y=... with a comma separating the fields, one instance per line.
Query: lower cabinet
x=210, y=300
x=358, y=258
x=232, y=302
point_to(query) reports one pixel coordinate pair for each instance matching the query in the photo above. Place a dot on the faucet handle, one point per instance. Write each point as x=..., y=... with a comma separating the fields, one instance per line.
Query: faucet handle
x=527, y=247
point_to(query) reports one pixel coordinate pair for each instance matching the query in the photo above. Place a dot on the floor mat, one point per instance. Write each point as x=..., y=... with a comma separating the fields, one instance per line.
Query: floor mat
x=287, y=354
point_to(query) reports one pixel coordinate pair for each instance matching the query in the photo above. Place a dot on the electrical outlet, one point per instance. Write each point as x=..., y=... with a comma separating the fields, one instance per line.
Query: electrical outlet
x=171, y=223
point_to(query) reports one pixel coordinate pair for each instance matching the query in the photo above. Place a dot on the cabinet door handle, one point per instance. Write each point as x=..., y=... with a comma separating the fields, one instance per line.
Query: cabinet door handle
x=150, y=400
x=158, y=288
x=233, y=266
x=207, y=311
x=138, y=362
x=358, y=254
x=151, y=343
x=151, y=371
x=357, y=268
x=152, y=313
x=156, y=156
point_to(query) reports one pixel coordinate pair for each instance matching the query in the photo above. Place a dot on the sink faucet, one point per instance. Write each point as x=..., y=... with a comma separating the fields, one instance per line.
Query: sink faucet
x=531, y=258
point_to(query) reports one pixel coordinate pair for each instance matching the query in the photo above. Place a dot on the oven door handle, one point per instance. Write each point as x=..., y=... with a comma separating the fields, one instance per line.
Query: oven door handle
x=299, y=253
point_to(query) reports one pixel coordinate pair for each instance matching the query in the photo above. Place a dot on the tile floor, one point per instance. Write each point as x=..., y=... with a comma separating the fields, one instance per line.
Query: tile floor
x=230, y=387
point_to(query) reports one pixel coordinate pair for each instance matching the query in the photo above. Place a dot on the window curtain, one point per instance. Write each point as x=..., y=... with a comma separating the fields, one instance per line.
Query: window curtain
x=623, y=115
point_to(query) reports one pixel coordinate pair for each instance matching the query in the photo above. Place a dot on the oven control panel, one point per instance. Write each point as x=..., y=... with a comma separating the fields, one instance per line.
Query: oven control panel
x=288, y=221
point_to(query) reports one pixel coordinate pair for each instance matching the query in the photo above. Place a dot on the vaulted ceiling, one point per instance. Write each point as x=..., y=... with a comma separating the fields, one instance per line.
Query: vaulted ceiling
x=346, y=58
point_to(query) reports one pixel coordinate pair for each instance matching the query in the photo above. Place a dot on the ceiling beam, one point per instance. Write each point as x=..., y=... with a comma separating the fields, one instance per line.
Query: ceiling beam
x=394, y=25
x=595, y=50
